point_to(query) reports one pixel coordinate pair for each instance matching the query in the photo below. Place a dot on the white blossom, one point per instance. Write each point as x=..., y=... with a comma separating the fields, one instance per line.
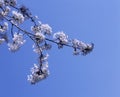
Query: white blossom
x=42, y=28
x=6, y=11
x=61, y=37
x=13, y=47
x=45, y=68
x=2, y=40
x=34, y=78
x=18, y=41
x=3, y=27
x=35, y=69
x=37, y=74
x=88, y=49
x=18, y=18
x=39, y=37
x=83, y=47
x=78, y=44
x=46, y=29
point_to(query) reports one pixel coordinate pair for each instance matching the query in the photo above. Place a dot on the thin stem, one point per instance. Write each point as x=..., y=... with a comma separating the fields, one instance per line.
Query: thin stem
x=14, y=7
x=40, y=56
x=12, y=30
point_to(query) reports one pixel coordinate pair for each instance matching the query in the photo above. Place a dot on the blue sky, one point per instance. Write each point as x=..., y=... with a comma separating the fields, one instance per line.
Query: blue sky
x=94, y=75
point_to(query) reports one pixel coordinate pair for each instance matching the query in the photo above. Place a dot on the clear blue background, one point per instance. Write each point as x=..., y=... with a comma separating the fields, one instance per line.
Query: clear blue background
x=94, y=75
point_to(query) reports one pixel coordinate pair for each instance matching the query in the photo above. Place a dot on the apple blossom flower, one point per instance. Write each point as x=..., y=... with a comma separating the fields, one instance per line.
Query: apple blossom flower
x=6, y=11
x=38, y=74
x=87, y=49
x=18, y=18
x=83, y=47
x=46, y=29
x=13, y=47
x=18, y=38
x=3, y=27
x=18, y=41
x=39, y=37
x=60, y=37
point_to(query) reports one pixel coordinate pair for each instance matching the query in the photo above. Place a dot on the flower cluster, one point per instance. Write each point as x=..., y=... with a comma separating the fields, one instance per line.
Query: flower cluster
x=3, y=27
x=41, y=31
x=39, y=37
x=39, y=72
x=18, y=18
x=81, y=47
x=42, y=28
x=61, y=39
x=5, y=7
x=18, y=41
x=6, y=11
x=46, y=29
x=14, y=17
